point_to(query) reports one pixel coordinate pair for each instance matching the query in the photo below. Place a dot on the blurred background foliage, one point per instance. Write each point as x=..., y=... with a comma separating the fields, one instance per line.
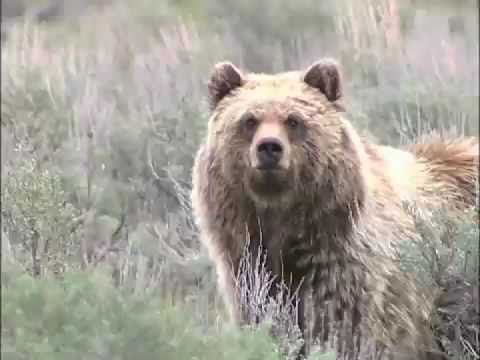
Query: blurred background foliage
x=104, y=104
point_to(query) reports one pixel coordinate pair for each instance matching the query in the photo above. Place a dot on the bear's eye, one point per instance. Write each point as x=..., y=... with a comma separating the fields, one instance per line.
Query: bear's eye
x=293, y=121
x=250, y=121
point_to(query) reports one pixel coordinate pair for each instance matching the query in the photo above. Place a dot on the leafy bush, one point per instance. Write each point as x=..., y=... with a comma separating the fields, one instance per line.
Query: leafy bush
x=38, y=220
x=445, y=260
x=102, y=114
x=86, y=317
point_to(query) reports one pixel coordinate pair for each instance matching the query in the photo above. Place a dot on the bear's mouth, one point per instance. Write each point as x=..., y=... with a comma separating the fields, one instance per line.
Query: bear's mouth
x=268, y=183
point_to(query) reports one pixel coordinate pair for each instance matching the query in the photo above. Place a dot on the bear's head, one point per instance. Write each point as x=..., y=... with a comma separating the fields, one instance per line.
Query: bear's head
x=282, y=137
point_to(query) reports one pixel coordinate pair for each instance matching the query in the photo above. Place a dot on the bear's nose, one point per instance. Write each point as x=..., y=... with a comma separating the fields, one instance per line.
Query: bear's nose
x=269, y=153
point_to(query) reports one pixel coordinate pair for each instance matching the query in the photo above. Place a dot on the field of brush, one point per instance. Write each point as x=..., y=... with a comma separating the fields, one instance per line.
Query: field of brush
x=102, y=108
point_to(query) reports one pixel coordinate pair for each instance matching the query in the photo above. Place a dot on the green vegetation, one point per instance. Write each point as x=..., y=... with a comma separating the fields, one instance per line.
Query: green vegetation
x=101, y=113
x=84, y=316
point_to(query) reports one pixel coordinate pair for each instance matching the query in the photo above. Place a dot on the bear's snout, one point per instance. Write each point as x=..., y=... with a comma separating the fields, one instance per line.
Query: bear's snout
x=269, y=153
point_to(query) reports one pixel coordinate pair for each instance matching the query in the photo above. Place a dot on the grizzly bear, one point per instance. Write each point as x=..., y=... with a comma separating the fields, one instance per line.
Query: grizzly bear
x=283, y=168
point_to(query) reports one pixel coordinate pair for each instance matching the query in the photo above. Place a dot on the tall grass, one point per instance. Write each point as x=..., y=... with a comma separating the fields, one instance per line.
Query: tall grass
x=102, y=113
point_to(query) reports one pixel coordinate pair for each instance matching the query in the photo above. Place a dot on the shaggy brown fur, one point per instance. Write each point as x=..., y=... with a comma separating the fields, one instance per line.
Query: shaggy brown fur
x=329, y=214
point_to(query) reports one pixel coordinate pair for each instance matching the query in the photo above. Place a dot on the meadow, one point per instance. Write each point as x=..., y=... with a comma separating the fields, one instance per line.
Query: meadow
x=102, y=109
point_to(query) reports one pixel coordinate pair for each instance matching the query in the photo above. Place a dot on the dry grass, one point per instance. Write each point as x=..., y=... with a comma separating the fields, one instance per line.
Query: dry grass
x=114, y=102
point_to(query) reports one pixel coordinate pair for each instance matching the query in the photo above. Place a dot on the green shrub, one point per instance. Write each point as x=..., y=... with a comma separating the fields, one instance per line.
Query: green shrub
x=85, y=317
x=39, y=221
x=108, y=108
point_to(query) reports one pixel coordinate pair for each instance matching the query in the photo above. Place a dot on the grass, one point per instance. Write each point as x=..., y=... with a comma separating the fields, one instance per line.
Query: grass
x=101, y=115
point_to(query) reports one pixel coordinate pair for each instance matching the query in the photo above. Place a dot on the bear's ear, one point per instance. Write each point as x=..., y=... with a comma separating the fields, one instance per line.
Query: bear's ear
x=224, y=78
x=325, y=76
